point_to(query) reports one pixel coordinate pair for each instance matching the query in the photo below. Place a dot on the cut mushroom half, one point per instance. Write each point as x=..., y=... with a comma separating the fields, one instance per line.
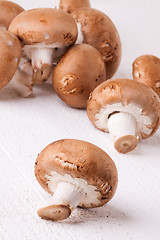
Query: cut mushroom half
x=97, y=29
x=146, y=69
x=8, y=11
x=70, y=5
x=46, y=34
x=10, y=51
x=77, y=74
x=127, y=110
x=76, y=173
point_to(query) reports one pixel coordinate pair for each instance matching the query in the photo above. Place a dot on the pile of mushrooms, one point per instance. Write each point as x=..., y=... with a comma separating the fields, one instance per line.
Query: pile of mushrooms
x=79, y=48
x=48, y=36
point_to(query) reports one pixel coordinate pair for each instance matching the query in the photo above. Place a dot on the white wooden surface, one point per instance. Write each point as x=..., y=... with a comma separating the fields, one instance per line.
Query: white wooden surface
x=28, y=125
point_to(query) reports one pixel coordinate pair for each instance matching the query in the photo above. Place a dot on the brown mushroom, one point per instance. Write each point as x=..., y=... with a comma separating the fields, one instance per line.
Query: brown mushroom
x=70, y=5
x=76, y=173
x=146, y=69
x=79, y=71
x=127, y=109
x=10, y=52
x=96, y=29
x=15, y=71
x=8, y=11
x=46, y=34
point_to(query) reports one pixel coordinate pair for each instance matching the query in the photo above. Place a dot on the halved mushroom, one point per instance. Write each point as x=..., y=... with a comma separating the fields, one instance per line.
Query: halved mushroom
x=127, y=109
x=96, y=29
x=10, y=53
x=8, y=11
x=146, y=69
x=46, y=34
x=76, y=173
x=70, y=5
x=79, y=71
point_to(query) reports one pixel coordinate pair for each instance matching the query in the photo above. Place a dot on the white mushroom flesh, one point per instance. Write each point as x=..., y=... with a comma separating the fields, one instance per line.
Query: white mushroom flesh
x=68, y=194
x=41, y=53
x=142, y=121
x=80, y=37
x=41, y=56
x=79, y=188
x=117, y=120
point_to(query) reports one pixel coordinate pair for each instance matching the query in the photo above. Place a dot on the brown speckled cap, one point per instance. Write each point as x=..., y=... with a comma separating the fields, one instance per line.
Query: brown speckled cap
x=100, y=32
x=45, y=25
x=8, y=11
x=82, y=160
x=77, y=74
x=10, y=51
x=71, y=5
x=126, y=92
x=146, y=69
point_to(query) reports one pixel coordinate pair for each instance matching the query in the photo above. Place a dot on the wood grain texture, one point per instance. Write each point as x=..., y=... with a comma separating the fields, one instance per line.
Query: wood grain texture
x=28, y=125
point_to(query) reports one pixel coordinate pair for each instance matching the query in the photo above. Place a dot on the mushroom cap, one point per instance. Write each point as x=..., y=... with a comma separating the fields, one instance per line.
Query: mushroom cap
x=77, y=74
x=45, y=25
x=100, y=32
x=10, y=51
x=146, y=69
x=122, y=95
x=8, y=11
x=81, y=160
x=71, y=5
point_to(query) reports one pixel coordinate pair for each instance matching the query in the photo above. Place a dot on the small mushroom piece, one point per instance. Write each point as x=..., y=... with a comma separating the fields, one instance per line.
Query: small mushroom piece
x=46, y=34
x=22, y=79
x=126, y=109
x=76, y=173
x=77, y=74
x=96, y=29
x=146, y=69
x=70, y=5
x=8, y=11
x=10, y=52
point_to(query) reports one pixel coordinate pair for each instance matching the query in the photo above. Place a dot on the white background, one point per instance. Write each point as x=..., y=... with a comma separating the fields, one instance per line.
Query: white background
x=28, y=125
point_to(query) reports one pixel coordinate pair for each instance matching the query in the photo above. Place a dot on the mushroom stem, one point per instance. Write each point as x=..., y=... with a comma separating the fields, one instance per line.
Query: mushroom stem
x=22, y=83
x=66, y=198
x=42, y=59
x=68, y=194
x=122, y=128
x=25, y=66
x=80, y=37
